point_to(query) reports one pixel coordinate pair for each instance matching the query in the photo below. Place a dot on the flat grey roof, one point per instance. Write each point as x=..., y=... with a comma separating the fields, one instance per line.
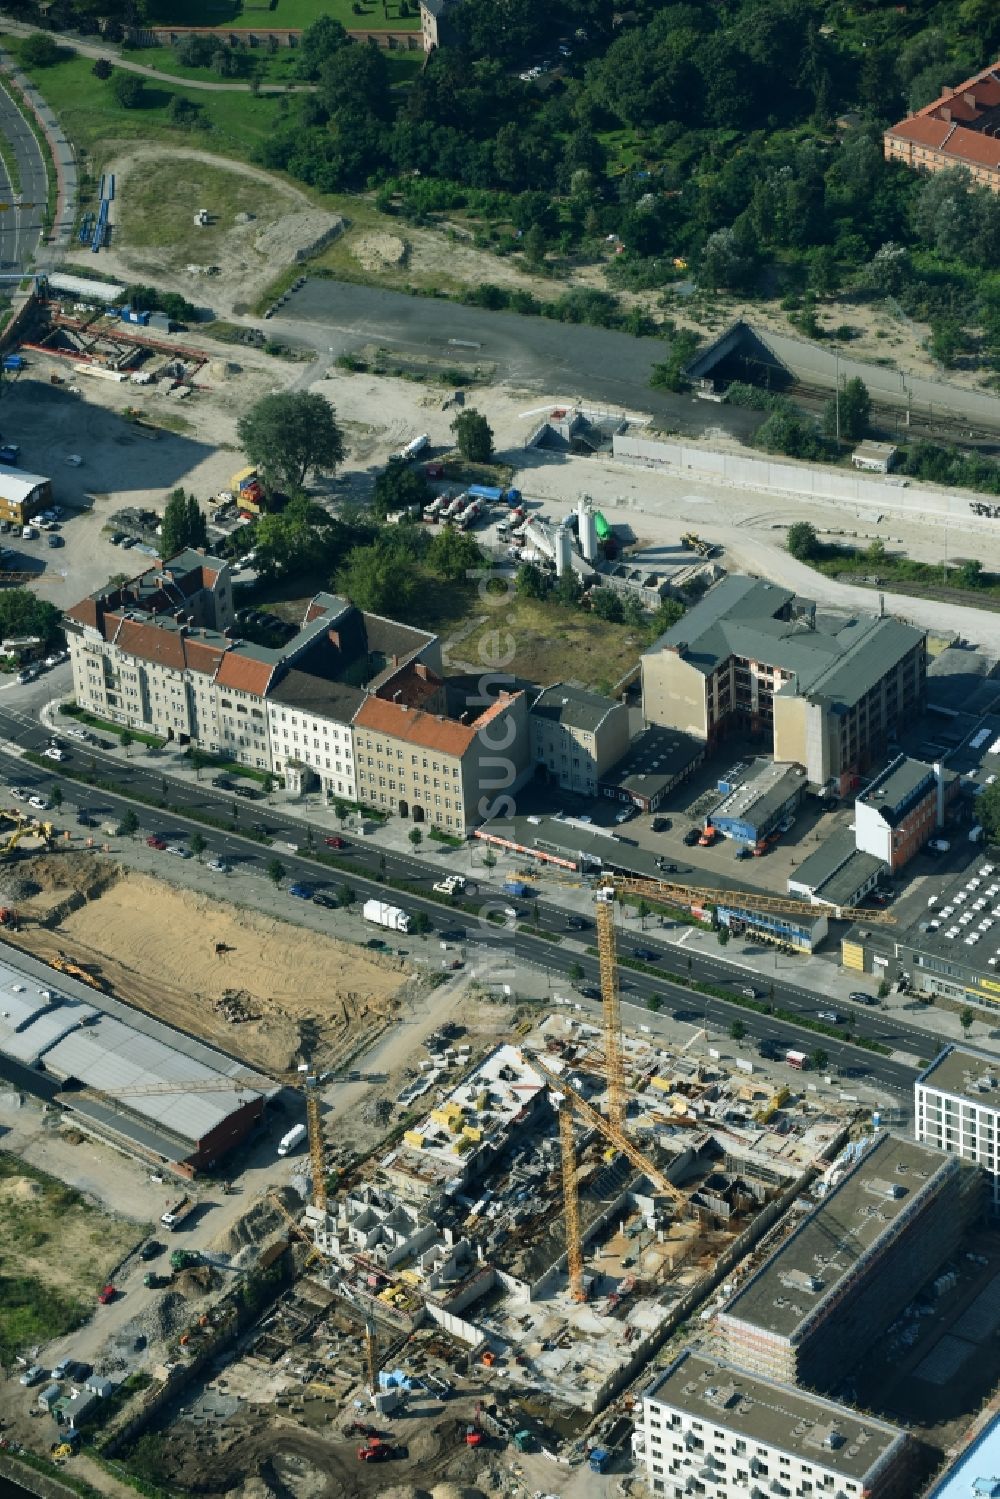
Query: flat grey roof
x=793, y=1421
x=763, y=794
x=842, y=887
x=968, y=908
x=823, y=863
x=893, y=792
x=573, y=706
x=965, y=1073
x=804, y=1273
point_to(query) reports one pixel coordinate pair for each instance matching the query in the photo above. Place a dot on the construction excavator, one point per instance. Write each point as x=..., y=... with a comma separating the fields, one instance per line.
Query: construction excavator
x=63, y=963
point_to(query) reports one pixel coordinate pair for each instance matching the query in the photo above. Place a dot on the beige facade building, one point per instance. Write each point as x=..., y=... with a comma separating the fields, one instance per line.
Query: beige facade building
x=958, y=129
x=576, y=736
x=421, y=764
x=826, y=692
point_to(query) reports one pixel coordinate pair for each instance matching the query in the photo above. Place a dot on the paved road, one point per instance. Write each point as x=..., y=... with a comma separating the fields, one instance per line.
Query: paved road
x=113, y=55
x=587, y=366
x=494, y=952
x=62, y=160
x=20, y=230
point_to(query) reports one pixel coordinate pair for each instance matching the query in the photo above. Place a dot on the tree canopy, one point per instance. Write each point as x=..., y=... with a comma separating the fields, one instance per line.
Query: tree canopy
x=183, y=524
x=290, y=435
x=21, y=613
x=474, y=436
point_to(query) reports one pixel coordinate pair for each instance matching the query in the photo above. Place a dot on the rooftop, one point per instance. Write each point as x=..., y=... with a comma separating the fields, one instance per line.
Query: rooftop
x=836, y=659
x=433, y=731
x=654, y=761
x=16, y=485
x=961, y=123
x=803, y=1425
x=763, y=793
x=573, y=706
x=836, y=870
x=965, y=1073
x=973, y=1474
x=898, y=788
x=963, y=926
x=804, y=1273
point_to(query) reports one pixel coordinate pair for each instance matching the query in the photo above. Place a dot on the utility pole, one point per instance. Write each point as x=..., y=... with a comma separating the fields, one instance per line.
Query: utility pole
x=837, y=396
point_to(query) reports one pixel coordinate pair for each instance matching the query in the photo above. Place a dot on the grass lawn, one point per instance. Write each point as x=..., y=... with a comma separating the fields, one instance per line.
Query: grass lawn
x=292, y=13
x=157, y=211
x=271, y=67
x=55, y=1253
x=552, y=643
x=234, y=123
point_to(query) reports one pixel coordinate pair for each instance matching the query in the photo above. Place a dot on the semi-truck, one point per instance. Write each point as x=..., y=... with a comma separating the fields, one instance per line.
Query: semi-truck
x=385, y=915
x=292, y=1140
x=179, y=1212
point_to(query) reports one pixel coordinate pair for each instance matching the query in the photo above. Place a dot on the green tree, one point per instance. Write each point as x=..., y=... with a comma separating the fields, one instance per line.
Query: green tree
x=129, y=825
x=381, y=581
x=642, y=910
x=293, y=540
x=802, y=541
x=947, y=340
x=852, y=411
x=174, y=526
x=39, y=50
x=275, y=871
x=722, y=935
x=876, y=553
x=606, y=604
x=354, y=85
x=966, y=1019
x=126, y=739
x=574, y=972
x=345, y=895
x=56, y=796
x=197, y=844
x=399, y=486
x=291, y=434
x=654, y=1003
x=341, y=811
x=819, y=1059
x=23, y=613
x=737, y=1030
x=318, y=43
x=128, y=90
x=473, y=435
x=420, y=923
x=883, y=988
x=416, y=837
x=102, y=69
x=534, y=245
x=490, y=858
x=970, y=573
x=530, y=582
x=568, y=589
x=197, y=525
x=452, y=555
x=669, y=374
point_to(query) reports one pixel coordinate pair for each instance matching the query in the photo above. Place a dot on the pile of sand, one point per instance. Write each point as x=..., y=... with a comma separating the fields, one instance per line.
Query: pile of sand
x=20, y=1189
x=378, y=252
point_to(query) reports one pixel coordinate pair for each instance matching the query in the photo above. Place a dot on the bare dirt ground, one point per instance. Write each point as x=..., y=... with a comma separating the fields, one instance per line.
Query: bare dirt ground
x=156, y=946
x=154, y=237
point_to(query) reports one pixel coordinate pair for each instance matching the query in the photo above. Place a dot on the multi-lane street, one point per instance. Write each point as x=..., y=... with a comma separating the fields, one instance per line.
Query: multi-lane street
x=495, y=951
x=20, y=227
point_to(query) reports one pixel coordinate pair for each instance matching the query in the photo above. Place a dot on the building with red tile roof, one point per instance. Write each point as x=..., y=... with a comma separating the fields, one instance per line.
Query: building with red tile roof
x=961, y=128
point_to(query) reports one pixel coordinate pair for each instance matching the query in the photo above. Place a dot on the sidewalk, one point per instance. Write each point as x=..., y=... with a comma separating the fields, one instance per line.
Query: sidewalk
x=62, y=156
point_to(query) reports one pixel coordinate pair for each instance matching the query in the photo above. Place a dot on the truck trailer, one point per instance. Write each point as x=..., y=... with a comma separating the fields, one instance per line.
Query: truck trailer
x=179, y=1212
x=385, y=915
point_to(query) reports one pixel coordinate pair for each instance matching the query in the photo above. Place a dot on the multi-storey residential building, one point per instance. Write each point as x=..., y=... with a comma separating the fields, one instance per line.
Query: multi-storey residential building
x=829, y=692
x=710, y=1428
x=957, y=1109
x=898, y=812
x=577, y=735
x=958, y=129
x=831, y=1289
x=422, y=764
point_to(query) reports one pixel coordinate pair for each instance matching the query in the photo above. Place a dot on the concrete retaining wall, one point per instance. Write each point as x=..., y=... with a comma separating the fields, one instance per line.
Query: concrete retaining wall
x=35, y=1483
x=800, y=481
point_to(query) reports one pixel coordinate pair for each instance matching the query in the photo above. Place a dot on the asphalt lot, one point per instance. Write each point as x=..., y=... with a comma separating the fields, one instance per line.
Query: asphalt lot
x=20, y=230
x=494, y=952
x=592, y=365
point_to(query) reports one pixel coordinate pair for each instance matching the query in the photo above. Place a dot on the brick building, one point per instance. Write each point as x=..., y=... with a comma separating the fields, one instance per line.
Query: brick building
x=961, y=128
x=899, y=811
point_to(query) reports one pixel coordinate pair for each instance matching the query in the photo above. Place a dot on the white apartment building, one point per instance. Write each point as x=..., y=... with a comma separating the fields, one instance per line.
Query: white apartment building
x=957, y=1108
x=708, y=1428
x=306, y=740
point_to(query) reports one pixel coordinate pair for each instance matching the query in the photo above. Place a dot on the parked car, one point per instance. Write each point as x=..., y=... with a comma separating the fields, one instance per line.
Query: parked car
x=179, y=850
x=589, y=991
x=863, y=999
x=248, y=793
x=108, y=1294
x=151, y=1249
x=691, y=837
x=661, y=824
x=301, y=892
x=19, y=793
x=326, y=901
x=223, y=783
x=54, y=541
x=219, y=866
x=80, y=734
x=625, y=814
x=40, y=803
x=34, y=1374
x=156, y=841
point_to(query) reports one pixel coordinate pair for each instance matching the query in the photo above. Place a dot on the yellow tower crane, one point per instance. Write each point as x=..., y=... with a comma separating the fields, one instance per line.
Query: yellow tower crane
x=572, y=1103
x=317, y=1148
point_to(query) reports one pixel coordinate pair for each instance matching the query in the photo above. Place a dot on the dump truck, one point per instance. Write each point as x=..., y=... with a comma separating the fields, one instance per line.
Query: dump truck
x=385, y=915
x=178, y=1212
x=183, y=1259
x=154, y=1282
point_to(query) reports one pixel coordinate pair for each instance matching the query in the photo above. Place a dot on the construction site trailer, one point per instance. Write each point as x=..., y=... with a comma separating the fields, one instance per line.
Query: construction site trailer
x=91, y=291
